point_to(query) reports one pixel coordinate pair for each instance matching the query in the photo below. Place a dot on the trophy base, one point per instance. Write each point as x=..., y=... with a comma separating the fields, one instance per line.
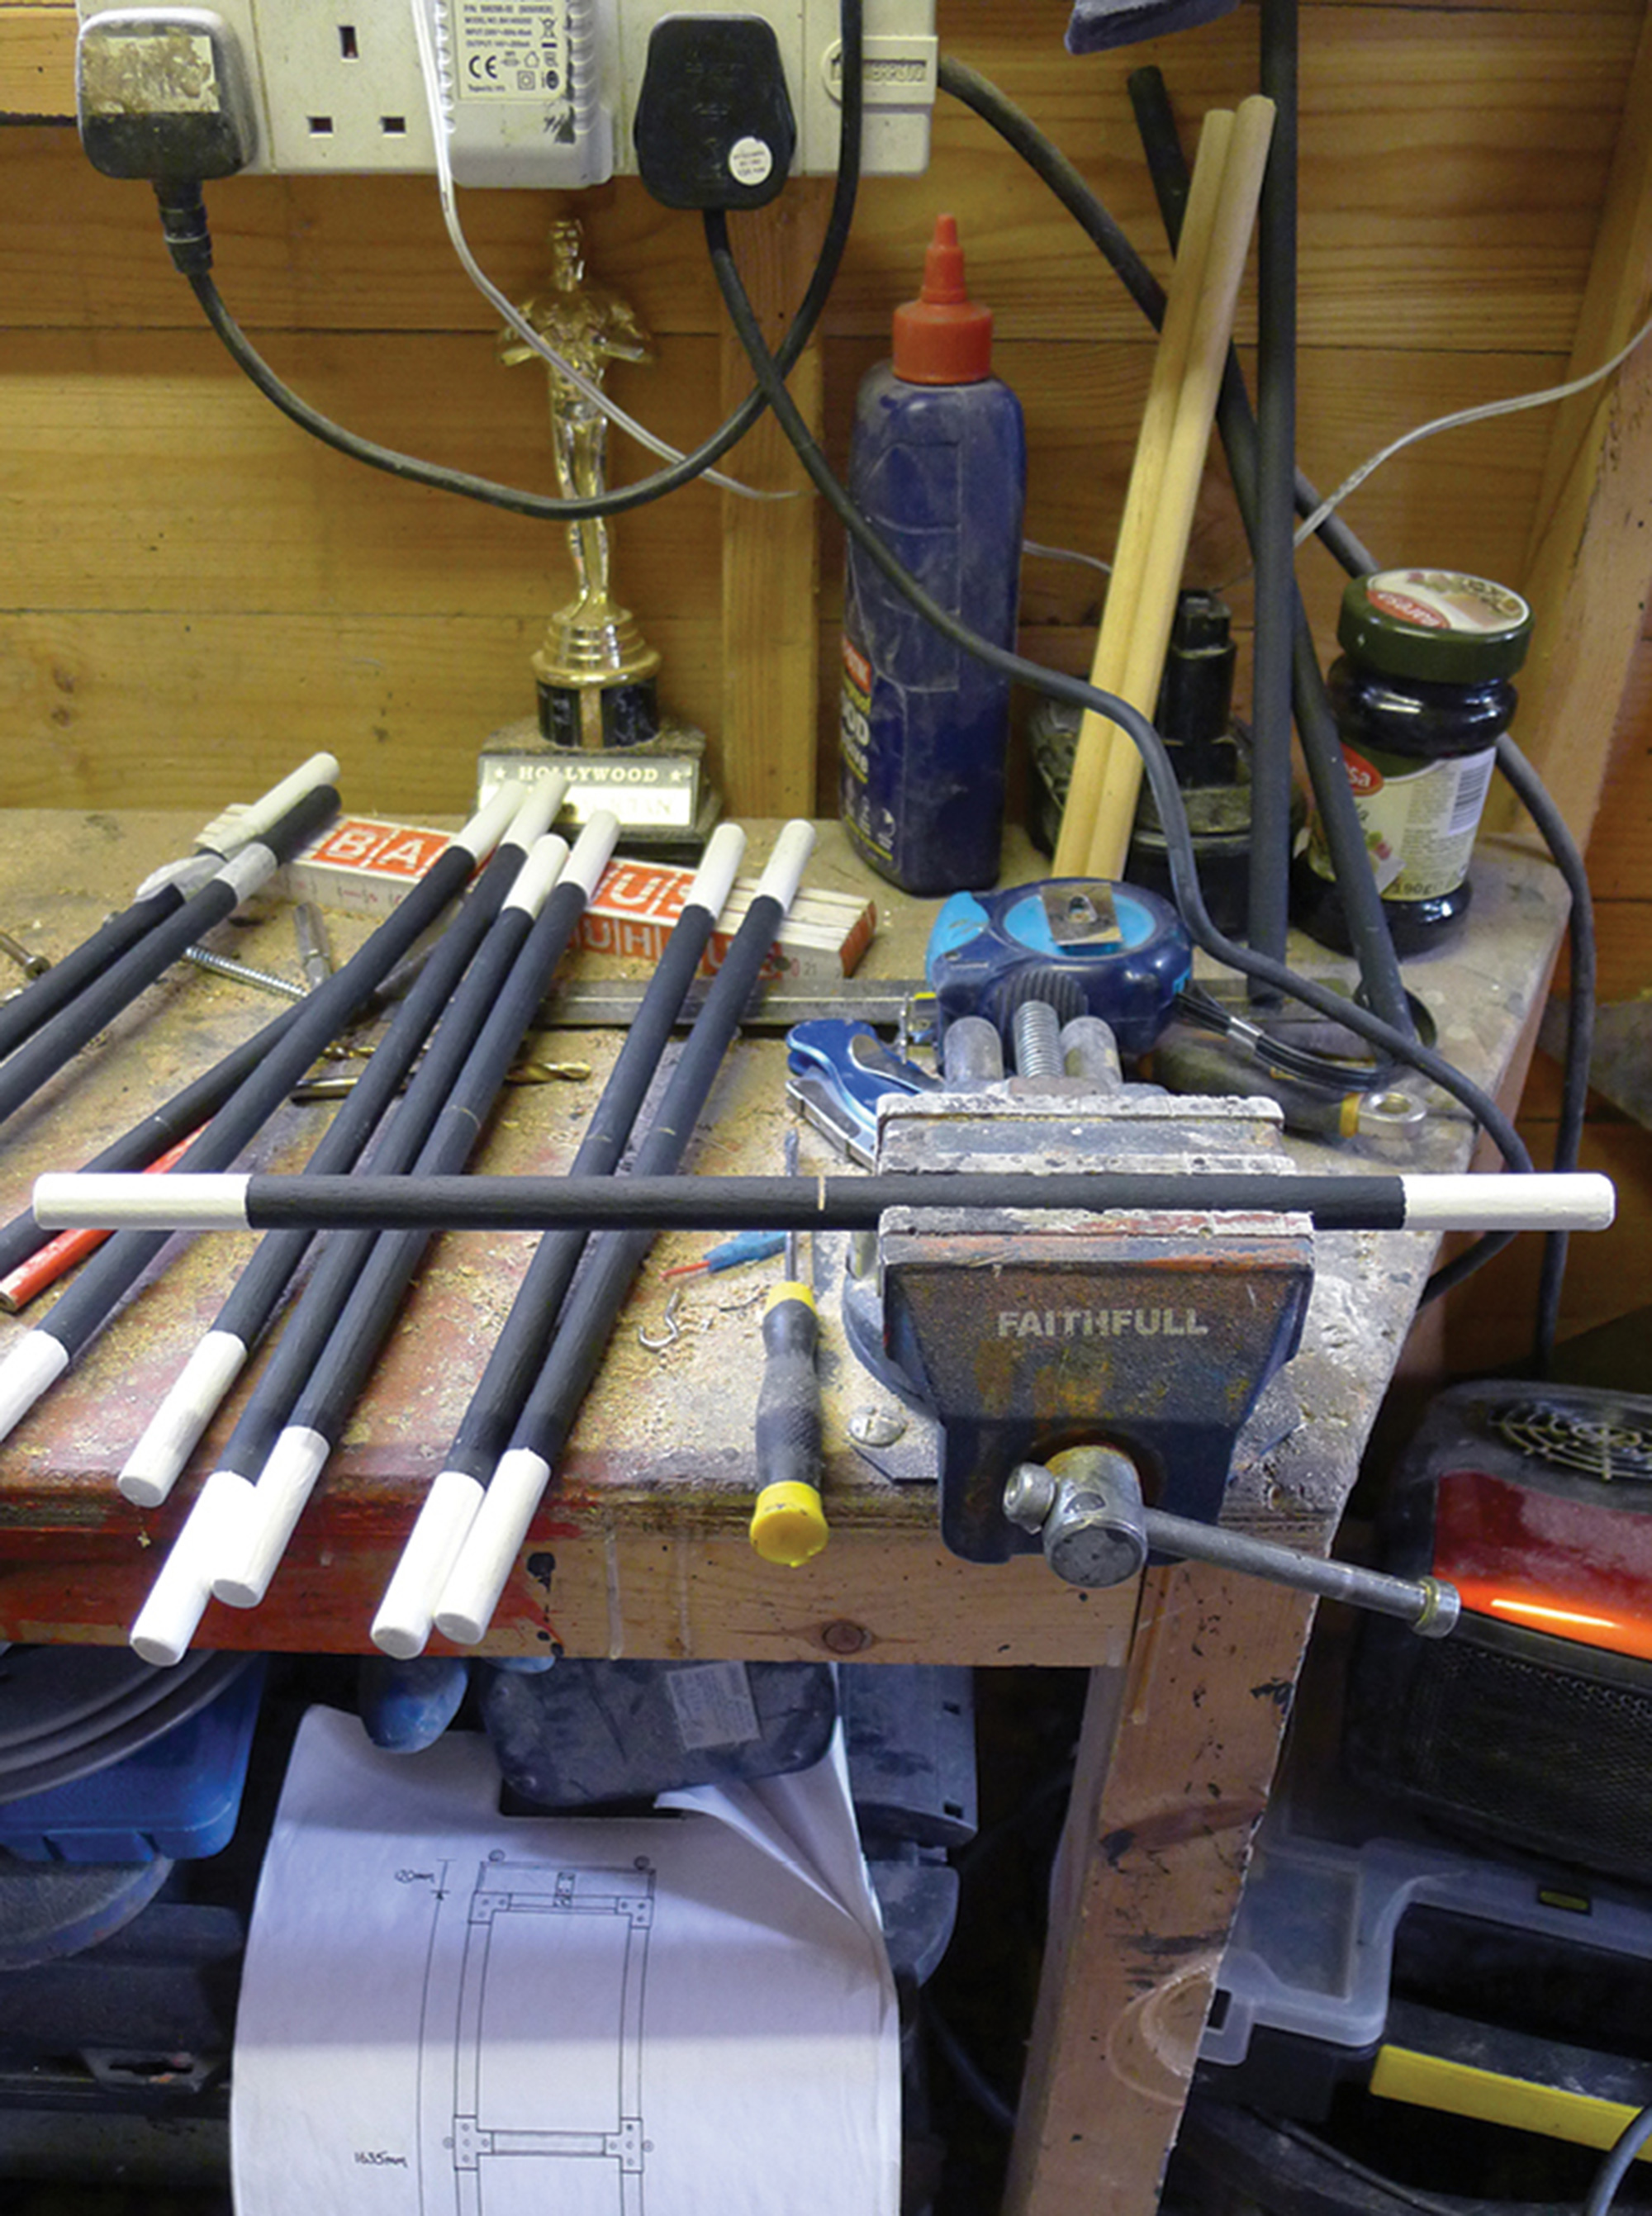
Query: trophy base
x=658, y=789
x=598, y=715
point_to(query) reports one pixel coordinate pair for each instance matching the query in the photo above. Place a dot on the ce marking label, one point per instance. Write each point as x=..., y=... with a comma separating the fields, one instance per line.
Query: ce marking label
x=483, y=69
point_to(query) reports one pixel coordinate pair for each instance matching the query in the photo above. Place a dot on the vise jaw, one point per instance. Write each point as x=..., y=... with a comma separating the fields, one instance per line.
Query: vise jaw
x=1029, y=1332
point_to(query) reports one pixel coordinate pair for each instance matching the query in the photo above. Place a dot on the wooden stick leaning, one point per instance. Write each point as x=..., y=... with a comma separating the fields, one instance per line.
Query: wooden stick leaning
x=1184, y=467
x=1097, y=739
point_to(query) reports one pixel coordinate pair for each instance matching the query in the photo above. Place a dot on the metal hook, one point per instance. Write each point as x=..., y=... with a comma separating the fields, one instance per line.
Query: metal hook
x=658, y=1344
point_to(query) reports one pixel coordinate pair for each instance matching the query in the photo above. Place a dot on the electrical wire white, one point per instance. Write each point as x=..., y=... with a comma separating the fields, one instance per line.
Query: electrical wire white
x=1480, y=415
x=436, y=103
x=1065, y=554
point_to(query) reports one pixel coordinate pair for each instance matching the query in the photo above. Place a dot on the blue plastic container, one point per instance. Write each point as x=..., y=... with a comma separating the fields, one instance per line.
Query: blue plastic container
x=178, y=1796
x=938, y=468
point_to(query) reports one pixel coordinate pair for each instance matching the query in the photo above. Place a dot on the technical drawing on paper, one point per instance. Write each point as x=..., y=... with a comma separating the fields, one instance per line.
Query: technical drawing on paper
x=547, y=1947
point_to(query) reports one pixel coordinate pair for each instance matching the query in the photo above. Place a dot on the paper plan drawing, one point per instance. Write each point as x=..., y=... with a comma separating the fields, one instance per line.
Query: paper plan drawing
x=449, y=2012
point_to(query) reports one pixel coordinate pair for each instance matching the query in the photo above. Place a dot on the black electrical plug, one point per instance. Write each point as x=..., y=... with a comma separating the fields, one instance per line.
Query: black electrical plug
x=162, y=93
x=714, y=126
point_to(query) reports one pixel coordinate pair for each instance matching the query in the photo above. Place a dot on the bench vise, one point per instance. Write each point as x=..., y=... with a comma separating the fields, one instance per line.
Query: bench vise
x=1029, y=1334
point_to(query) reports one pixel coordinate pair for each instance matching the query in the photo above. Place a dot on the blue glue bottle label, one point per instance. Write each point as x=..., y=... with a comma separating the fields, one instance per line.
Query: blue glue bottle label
x=938, y=468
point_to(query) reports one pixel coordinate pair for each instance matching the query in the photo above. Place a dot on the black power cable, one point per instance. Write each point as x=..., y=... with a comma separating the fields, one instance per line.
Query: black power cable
x=1271, y=550
x=184, y=219
x=1057, y=685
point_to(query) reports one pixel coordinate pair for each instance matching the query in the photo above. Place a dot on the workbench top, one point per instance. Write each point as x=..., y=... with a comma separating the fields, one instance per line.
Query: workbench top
x=641, y=1546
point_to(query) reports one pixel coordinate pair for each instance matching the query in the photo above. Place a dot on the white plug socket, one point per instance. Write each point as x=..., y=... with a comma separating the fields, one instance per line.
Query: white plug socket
x=337, y=87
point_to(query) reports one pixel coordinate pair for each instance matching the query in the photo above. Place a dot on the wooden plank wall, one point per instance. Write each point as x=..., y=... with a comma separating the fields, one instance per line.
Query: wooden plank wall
x=192, y=593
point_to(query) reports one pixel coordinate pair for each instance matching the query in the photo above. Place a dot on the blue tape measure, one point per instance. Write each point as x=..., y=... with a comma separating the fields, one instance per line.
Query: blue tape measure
x=1085, y=945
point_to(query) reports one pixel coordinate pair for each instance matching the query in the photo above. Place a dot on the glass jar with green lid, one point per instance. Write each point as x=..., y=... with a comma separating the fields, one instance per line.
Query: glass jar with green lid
x=1422, y=694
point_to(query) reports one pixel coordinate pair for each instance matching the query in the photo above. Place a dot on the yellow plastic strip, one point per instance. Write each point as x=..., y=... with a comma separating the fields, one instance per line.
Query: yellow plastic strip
x=1430, y=2081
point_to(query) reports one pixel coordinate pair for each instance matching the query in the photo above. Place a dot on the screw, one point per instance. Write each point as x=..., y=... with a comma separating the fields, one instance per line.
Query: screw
x=266, y=980
x=845, y=1638
x=32, y=965
x=876, y=1427
x=1037, y=1031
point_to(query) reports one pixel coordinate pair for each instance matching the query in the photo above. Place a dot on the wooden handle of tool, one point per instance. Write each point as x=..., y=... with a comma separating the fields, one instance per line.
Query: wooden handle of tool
x=1184, y=467
x=1097, y=736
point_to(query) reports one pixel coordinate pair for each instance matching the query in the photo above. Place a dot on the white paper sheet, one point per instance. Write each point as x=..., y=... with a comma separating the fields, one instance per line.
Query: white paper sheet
x=448, y=2012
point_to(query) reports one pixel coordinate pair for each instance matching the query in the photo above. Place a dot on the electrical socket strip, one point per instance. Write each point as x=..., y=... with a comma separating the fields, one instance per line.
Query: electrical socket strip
x=542, y=92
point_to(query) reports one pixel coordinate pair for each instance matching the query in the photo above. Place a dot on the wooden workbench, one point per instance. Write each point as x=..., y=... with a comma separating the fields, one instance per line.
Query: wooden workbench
x=641, y=1548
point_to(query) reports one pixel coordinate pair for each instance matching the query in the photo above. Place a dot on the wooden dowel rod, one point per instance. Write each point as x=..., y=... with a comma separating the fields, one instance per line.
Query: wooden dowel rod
x=1183, y=471
x=1184, y=468
x=1097, y=738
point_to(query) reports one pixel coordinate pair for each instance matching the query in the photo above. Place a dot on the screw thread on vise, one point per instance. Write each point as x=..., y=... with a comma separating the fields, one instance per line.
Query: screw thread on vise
x=1037, y=1040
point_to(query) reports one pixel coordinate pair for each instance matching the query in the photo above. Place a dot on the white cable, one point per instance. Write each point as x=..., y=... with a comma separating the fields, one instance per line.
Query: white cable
x=490, y=292
x=1065, y=554
x=1480, y=415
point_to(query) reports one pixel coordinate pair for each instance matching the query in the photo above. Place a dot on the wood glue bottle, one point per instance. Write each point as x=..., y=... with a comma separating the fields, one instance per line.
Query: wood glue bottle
x=938, y=466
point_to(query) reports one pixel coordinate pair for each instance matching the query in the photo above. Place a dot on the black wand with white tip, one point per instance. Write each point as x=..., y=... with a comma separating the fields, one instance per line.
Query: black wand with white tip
x=472, y=1591
x=216, y=1531
x=298, y=1457
x=154, y=1133
x=403, y=1624
x=41, y=1355
x=116, y=987
x=152, y=1467
x=161, y=895
x=1537, y=1200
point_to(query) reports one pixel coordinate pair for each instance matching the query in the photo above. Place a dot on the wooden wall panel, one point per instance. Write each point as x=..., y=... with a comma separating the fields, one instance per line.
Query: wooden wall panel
x=112, y=710
x=155, y=476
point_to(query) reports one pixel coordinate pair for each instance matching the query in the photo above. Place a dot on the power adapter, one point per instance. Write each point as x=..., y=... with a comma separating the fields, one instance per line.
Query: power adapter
x=714, y=126
x=162, y=93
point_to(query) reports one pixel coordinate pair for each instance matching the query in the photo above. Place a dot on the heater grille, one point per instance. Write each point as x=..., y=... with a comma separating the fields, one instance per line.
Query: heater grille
x=1567, y=1438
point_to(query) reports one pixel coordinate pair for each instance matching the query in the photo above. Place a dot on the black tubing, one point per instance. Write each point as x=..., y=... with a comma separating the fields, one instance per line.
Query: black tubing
x=519, y=1352
x=319, y=1310
x=41, y=999
x=258, y=1290
x=352, y=1346
x=588, y=1318
x=650, y=1199
x=57, y=1041
x=111, y=1273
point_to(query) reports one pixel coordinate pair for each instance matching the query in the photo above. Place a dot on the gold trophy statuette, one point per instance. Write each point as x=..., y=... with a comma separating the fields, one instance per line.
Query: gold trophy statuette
x=600, y=724
x=595, y=669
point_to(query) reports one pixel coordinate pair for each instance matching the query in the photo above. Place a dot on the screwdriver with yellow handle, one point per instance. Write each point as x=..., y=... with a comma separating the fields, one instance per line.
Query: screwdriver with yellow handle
x=788, y=1524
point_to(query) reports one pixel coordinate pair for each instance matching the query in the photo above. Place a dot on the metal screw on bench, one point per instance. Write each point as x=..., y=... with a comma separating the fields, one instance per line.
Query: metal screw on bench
x=32, y=965
x=265, y=981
